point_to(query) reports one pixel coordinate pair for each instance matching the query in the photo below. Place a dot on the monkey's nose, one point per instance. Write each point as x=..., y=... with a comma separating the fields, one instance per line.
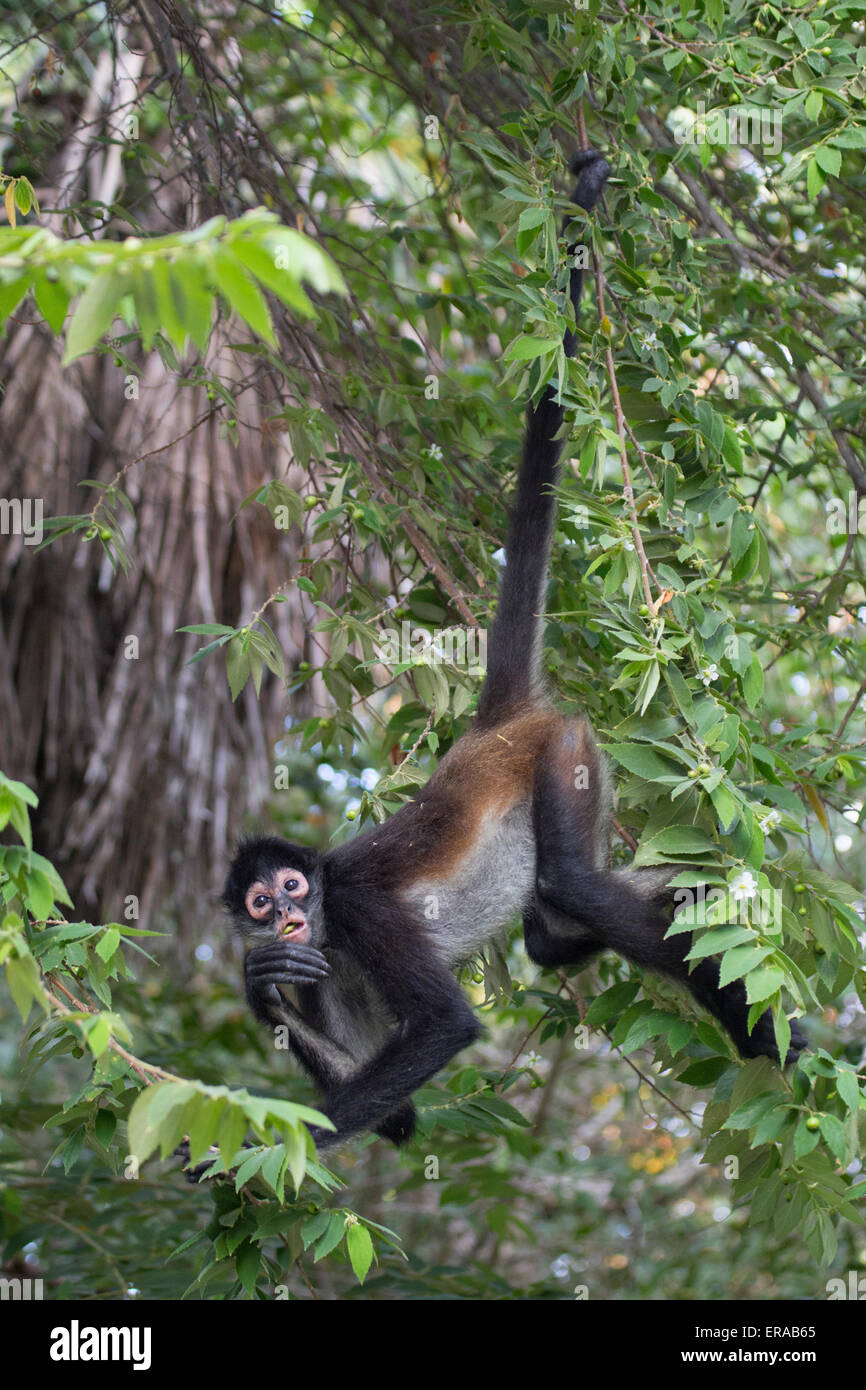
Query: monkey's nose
x=289, y=919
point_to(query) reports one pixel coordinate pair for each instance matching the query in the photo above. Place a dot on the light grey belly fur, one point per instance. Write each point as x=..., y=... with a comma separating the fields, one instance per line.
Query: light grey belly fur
x=493, y=884
x=355, y=1015
x=355, y=1020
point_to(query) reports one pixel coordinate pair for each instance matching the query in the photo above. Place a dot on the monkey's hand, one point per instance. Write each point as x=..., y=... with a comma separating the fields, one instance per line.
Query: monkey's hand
x=280, y=963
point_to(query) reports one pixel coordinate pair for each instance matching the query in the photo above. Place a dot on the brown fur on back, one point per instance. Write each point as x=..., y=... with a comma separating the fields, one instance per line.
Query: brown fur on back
x=488, y=771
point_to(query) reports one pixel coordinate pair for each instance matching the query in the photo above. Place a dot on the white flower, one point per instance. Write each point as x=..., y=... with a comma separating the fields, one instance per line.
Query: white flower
x=769, y=820
x=434, y=451
x=710, y=674
x=745, y=885
x=650, y=341
x=531, y=1059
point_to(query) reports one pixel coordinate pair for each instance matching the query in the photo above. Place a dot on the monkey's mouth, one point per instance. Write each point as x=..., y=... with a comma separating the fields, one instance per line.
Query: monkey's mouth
x=298, y=931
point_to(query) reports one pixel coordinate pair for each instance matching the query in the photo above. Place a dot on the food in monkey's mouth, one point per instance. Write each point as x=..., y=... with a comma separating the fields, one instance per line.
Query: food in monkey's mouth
x=298, y=931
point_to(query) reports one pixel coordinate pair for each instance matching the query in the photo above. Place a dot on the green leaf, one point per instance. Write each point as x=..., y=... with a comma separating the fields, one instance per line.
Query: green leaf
x=52, y=301
x=193, y=303
x=360, y=1248
x=679, y=689
x=158, y=1116
x=671, y=844
x=203, y=1125
x=11, y=295
x=238, y=666
x=753, y=683
x=530, y=224
x=108, y=944
x=753, y=1110
x=613, y=1001
x=781, y=1032
x=282, y=282
x=829, y=159
x=333, y=1235
x=813, y=105
x=742, y=535
x=230, y=1132
x=726, y=809
x=848, y=1088
x=207, y=629
x=833, y=1131
x=642, y=760
x=705, y=1072
x=146, y=308
x=805, y=1139
x=94, y=314
x=104, y=1127
x=248, y=1261
x=526, y=347
x=740, y=960
x=762, y=984
x=712, y=943
x=25, y=984
x=243, y=295
x=98, y=1033
x=814, y=184
x=315, y=1227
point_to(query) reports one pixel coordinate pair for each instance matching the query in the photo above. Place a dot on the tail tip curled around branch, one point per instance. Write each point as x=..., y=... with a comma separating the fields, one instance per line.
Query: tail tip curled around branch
x=581, y=158
x=592, y=171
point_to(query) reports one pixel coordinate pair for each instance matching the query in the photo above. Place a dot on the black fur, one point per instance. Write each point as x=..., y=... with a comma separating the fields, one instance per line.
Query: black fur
x=580, y=910
x=376, y=1011
x=513, y=658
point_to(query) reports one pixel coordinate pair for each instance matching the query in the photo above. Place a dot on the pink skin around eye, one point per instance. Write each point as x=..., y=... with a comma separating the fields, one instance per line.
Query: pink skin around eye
x=287, y=876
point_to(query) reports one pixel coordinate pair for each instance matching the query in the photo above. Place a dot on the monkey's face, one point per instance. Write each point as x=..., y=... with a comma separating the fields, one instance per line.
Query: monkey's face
x=277, y=901
x=274, y=888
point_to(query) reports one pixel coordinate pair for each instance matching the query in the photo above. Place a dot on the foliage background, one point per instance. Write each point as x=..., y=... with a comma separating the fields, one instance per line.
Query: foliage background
x=732, y=313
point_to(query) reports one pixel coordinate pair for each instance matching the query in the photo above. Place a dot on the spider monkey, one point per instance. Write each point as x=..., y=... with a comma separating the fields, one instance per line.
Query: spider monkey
x=367, y=934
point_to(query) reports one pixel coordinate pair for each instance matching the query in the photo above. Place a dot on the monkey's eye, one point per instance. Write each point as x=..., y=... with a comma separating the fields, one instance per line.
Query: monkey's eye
x=259, y=901
x=294, y=882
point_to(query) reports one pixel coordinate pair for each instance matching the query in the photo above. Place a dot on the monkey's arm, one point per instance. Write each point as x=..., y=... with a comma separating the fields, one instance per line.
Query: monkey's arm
x=281, y=963
x=433, y=1019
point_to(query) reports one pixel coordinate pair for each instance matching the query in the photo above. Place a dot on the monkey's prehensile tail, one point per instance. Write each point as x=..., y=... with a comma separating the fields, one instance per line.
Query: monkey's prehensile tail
x=514, y=650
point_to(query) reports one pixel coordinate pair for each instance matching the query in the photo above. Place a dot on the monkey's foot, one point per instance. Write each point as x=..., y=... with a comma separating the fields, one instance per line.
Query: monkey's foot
x=761, y=1041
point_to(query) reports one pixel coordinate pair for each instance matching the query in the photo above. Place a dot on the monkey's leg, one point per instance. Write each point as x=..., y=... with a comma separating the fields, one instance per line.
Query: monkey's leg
x=571, y=823
x=627, y=912
x=552, y=940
